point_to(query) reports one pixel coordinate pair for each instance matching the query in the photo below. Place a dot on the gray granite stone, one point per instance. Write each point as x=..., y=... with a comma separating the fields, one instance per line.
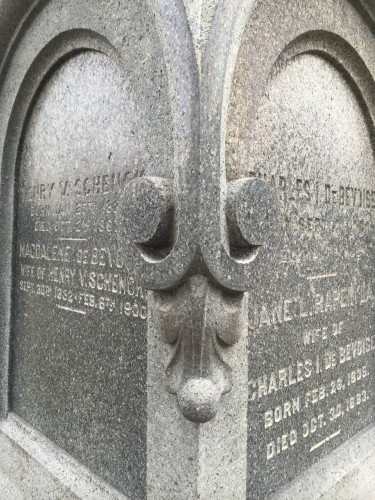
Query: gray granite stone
x=79, y=329
x=298, y=118
x=32, y=467
x=187, y=207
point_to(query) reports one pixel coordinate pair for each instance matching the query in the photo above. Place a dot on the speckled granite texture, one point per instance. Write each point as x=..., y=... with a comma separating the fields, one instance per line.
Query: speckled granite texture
x=187, y=255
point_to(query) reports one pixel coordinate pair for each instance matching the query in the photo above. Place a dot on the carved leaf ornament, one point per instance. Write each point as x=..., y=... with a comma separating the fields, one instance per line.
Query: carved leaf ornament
x=197, y=258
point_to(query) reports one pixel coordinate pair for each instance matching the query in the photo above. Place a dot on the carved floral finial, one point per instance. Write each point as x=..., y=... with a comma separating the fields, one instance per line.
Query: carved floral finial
x=200, y=321
x=202, y=317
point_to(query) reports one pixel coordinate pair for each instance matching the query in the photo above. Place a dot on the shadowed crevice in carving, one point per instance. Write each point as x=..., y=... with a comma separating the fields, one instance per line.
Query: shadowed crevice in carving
x=149, y=210
x=200, y=322
x=252, y=216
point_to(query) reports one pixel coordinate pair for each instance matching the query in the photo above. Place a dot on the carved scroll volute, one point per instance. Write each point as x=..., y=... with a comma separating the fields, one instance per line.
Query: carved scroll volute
x=170, y=224
x=240, y=231
x=158, y=215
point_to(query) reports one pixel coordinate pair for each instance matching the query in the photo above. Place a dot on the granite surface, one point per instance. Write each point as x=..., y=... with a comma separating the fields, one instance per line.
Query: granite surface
x=187, y=203
x=79, y=329
x=299, y=119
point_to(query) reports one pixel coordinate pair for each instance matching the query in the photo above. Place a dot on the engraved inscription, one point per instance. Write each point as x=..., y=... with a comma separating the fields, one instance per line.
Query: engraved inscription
x=87, y=119
x=69, y=269
x=310, y=320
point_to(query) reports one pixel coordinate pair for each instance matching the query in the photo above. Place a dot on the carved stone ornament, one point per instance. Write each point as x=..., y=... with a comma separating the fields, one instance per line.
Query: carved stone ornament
x=194, y=240
x=200, y=321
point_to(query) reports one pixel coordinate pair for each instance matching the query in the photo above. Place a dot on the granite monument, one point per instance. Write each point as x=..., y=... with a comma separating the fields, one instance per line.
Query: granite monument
x=187, y=209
